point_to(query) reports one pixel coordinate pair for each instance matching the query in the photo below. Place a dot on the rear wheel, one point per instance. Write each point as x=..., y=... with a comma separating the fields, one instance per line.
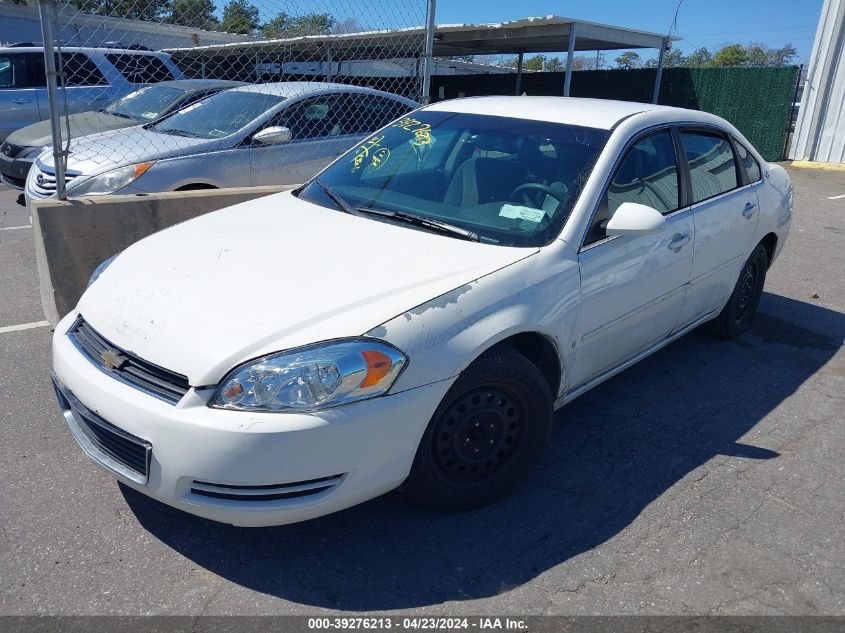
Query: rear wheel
x=486, y=435
x=739, y=312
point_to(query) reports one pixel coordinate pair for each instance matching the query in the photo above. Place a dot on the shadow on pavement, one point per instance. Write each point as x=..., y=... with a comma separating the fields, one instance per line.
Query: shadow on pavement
x=615, y=450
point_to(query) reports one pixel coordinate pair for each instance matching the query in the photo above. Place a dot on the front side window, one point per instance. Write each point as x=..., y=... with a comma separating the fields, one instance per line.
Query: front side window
x=711, y=164
x=8, y=72
x=748, y=162
x=648, y=174
x=140, y=69
x=220, y=115
x=509, y=181
x=145, y=104
x=21, y=70
x=319, y=117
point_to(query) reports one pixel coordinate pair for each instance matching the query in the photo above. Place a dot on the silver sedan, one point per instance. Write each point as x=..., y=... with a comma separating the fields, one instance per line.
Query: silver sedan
x=269, y=134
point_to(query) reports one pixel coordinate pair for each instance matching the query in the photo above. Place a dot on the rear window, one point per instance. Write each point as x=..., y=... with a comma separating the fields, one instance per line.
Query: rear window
x=140, y=69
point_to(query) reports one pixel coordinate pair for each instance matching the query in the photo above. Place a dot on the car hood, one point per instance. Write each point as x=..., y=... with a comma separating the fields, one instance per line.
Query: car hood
x=40, y=133
x=272, y=274
x=97, y=153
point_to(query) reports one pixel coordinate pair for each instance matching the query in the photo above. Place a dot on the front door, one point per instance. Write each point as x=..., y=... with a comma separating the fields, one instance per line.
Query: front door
x=633, y=287
x=18, y=92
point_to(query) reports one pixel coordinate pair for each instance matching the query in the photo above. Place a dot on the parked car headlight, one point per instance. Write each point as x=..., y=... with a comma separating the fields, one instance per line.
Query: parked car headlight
x=314, y=377
x=33, y=153
x=99, y=269
x=110, y=181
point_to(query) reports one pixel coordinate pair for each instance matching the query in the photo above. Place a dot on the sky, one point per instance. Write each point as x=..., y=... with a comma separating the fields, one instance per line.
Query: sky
x=710, y=23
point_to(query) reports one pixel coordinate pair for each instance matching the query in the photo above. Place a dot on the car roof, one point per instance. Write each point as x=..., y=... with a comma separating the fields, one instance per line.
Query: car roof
x=199, y=84
x=287, y=89
x=82, y=49
x=595, y=113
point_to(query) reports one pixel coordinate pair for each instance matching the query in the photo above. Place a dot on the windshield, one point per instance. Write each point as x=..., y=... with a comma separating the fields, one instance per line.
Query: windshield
x=145, y=104
x=220, y=115
x=510, y=181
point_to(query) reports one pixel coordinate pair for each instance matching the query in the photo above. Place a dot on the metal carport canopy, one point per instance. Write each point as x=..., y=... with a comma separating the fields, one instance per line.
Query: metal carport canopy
x=527, y=35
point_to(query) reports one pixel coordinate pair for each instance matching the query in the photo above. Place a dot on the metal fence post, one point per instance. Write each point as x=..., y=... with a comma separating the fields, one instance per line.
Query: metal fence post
x=429, y=52
x=655, y=95
x=46, y=9
x=567, y=82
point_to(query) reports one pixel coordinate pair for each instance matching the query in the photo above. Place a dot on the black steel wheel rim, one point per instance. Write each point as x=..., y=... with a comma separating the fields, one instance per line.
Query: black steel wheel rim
x=747, y=290
x=478, y=435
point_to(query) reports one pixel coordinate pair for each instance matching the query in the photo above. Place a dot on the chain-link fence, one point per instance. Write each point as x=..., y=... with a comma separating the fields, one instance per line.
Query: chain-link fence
x=162, y=95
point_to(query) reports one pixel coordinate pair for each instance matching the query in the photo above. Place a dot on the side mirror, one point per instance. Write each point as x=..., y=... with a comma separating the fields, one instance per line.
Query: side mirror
x=272, y=135
x=632, y=218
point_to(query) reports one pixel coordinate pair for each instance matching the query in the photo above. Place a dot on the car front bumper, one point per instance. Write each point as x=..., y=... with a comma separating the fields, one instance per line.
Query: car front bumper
x=13, y=171
x=250, y=469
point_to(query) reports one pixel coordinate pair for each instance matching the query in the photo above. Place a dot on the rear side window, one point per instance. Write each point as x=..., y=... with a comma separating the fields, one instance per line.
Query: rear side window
x=648, y=174
x=711, y=164
x=319, y=117
x=368, y=113
x=140, y=69
x=81, y=71
x=748, y=162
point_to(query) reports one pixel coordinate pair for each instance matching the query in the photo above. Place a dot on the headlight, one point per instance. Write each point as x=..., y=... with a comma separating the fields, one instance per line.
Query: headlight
x=99, y=269
x=110, y=181
x=33, y=153
x=314, y=377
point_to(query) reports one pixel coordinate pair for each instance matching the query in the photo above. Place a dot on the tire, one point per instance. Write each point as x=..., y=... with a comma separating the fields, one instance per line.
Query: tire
x=485, y=437
x=738, y=313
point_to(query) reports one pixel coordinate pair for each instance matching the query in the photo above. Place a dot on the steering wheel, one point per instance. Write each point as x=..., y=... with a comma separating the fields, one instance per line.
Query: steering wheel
x=523, y=189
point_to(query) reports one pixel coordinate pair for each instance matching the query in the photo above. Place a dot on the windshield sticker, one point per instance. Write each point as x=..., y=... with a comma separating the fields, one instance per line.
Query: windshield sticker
x=149, y=115
x=372, y=149
x=522, y=213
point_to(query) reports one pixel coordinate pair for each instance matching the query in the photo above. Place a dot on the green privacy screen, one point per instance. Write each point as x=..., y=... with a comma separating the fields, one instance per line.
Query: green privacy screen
x=758, y=101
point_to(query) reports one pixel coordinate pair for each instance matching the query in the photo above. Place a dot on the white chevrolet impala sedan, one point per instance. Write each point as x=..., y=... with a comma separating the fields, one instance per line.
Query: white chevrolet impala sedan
x=415, y=313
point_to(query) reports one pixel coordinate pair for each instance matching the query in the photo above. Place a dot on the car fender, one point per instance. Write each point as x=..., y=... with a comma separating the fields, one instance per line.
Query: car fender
x=443, y=336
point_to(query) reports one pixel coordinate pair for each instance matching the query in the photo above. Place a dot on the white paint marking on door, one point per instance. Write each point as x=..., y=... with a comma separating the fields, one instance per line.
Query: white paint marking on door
x=23, y=326
x=837, y=197
x=15, y=228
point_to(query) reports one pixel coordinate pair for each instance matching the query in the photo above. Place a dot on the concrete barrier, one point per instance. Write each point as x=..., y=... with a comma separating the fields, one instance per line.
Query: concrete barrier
x=72, y=237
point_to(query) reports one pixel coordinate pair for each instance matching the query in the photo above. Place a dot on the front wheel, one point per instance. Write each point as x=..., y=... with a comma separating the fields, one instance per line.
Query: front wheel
x=739, y=312
x=488, y=432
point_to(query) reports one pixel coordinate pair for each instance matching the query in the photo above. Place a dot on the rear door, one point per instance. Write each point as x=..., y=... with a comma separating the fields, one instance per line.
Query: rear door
x=633, y=287
x=19, y=91
x=725, y=211
x=86, y=88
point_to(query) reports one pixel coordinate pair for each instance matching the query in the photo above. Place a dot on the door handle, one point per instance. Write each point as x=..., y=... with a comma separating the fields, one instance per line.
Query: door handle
x=679, y=240
x=748, y=211
x=21, y=101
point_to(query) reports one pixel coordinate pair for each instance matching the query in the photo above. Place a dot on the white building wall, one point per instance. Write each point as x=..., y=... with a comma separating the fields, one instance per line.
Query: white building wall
x=820, y=128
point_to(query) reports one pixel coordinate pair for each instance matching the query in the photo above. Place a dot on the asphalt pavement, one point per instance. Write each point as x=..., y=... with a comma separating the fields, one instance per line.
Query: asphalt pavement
x=708, y=479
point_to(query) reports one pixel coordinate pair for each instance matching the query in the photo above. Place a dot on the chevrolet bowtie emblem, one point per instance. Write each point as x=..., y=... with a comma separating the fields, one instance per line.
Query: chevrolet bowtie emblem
x=112, y=359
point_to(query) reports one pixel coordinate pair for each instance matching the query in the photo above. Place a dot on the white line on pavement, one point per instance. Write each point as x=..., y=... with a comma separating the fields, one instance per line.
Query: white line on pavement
x=23, y=326
x=836, y=197
x=15, y=228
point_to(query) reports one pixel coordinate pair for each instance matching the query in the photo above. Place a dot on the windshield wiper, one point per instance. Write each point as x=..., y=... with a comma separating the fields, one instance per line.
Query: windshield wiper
x=425, y=223
x=339, y=202
x=177, y=132
x=117, y=114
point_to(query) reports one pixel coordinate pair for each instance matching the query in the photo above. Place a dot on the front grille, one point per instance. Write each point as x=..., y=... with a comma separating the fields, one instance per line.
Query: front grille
x=268, y=492
x=125, y=366
x=44, y=180
x=17, y=183
x=115, y=443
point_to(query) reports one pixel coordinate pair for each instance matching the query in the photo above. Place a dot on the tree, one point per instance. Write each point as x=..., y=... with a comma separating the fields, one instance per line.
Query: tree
x=197, y=14
x=240, y=17
x=732, y=55
x=782, y=56
x=673, y=58
x=538, y=62
x=628, y=60
x=700, y=57
x=285, y=25
x=144, y=10
x=554, y=64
